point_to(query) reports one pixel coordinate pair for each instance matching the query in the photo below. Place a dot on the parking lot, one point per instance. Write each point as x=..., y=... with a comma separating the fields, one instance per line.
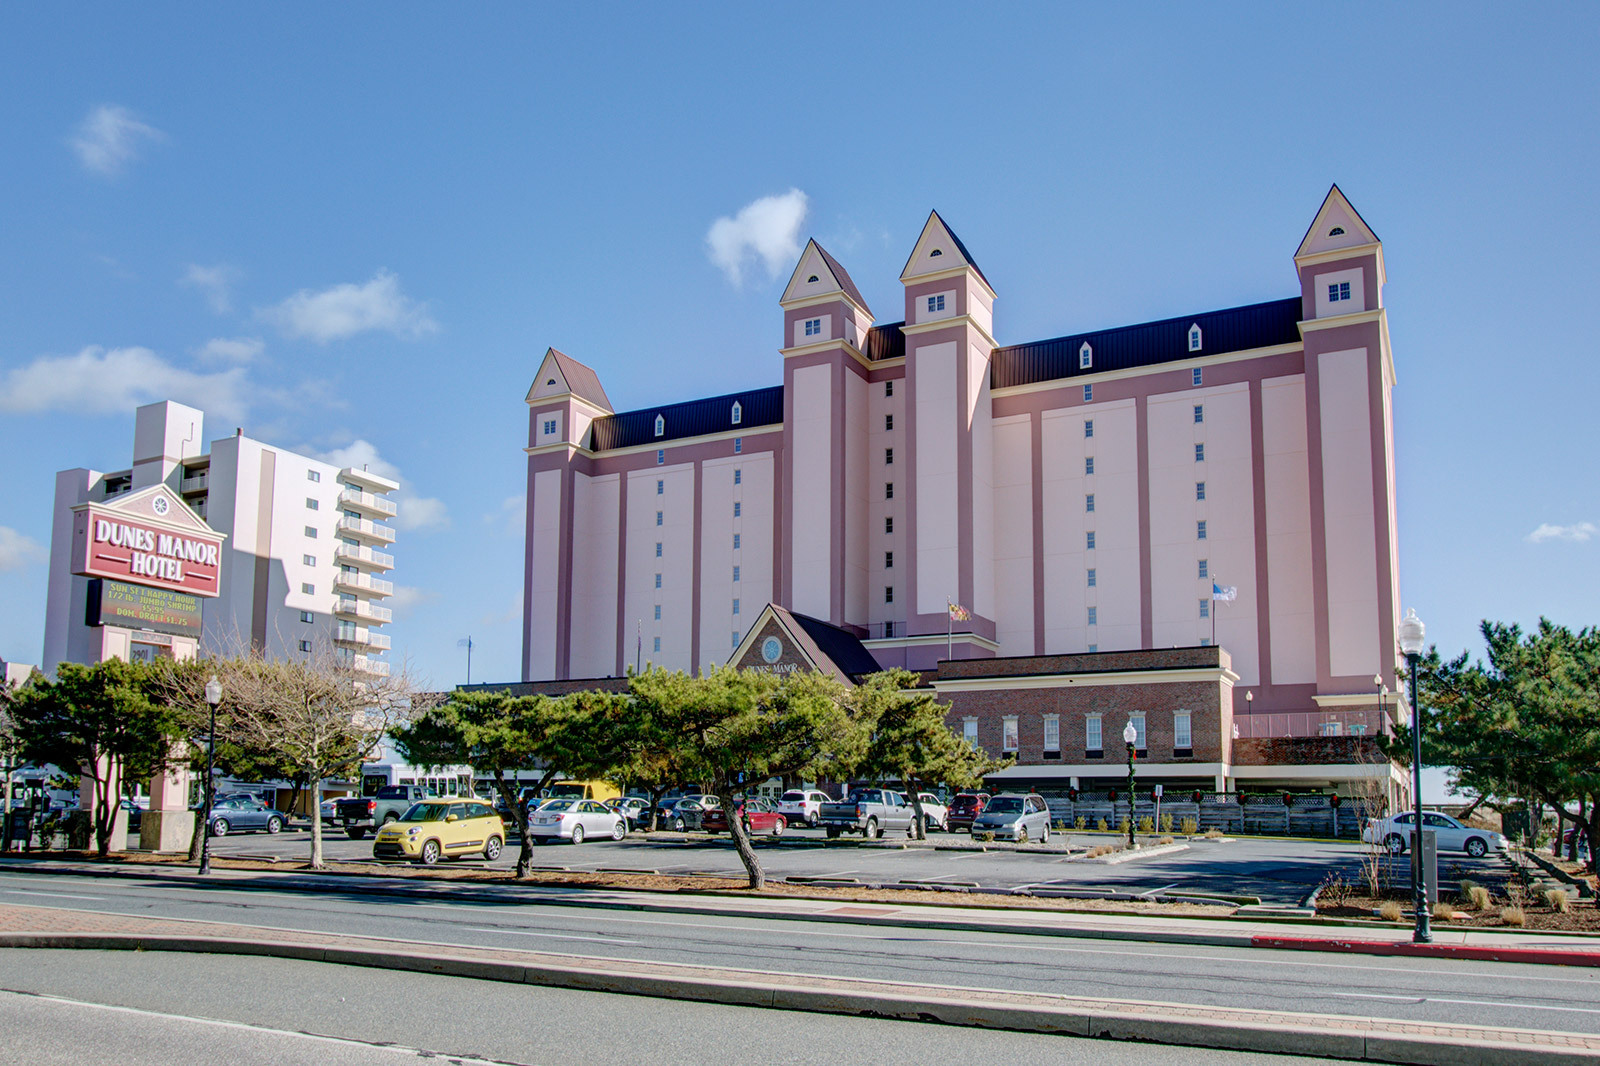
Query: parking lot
x=1279, y=872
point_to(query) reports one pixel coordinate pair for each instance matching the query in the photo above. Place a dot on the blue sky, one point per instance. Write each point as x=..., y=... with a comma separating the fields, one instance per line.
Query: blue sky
x=357, y=227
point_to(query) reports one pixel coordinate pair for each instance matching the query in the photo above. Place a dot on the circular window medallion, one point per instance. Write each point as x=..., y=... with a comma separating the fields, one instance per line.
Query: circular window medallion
x=160, y=505
x=771, y=648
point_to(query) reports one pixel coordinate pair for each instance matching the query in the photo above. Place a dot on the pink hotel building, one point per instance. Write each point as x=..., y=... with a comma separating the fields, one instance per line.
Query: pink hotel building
x=1080, y=496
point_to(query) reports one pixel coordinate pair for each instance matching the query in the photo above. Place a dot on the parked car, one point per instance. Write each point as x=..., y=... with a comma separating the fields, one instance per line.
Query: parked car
x=634, y=809
x=328, y=811
x=964, y=809
x=935, y=815
x=590, y=790
x=1014, y=816
x=686, y=814
x=1395, y=834
x=757, y=815
x=576, y=820
x=135, y=809
x=870, y=812
x=359, y=814
x=802, y=805
x=232, y=815
x=446, y=827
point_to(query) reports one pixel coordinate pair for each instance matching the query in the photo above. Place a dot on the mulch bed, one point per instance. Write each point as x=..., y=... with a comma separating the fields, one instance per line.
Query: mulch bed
x=1581, y=918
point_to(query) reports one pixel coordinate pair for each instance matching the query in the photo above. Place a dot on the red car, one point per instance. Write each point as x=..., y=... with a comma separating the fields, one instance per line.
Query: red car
x=964, y=809
x=757, y=815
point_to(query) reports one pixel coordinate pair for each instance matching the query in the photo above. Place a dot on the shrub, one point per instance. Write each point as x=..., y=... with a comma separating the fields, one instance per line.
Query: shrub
x=1081, y=824
x=1147, y=824
x=1100, y=824
x=1479, y=898
x=1443, y=912
x=1122, y=824
x=1390, y=911
x=1191, y=826
x=1464, y=889
x=1513, y=916
x=1335, y=891
x=1166, y=823
x=1557, y=900
x=1103, y=849
x=1213, y=833
x=1167, y=840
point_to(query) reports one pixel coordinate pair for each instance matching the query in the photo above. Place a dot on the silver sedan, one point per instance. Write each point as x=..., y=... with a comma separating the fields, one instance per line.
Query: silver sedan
x=576, y=820
x=1015, y=817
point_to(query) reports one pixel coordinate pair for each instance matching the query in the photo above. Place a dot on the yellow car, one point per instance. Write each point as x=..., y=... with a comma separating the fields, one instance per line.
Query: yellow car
x=450, y=826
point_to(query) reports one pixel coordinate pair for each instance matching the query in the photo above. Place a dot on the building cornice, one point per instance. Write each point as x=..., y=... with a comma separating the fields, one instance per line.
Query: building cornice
x=817, y=347
x=1354, y=318
x=644, y=449
x=927, y=639
x=1112, y=766
x=824, y=298
x=573, y=398
x=1110, y=678
x=1142, y=371
x=1355, y=251
x=965, y=269
x=946, y=323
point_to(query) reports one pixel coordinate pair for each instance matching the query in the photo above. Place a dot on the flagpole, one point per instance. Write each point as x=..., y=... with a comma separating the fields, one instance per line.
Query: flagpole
x=949, y=629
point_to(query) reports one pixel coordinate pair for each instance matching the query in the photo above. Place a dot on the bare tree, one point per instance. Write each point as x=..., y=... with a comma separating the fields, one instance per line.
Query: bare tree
x=322, y=714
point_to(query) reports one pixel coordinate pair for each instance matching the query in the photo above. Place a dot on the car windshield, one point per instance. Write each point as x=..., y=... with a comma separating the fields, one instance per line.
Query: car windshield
x=426, y=812
x=1003, y=805
x=558, y=805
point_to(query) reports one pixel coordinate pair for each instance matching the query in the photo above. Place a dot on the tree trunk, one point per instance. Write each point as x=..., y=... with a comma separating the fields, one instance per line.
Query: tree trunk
x=741, y=840
x=920, y=830
x=105, y=813
x=1592, y=830
x=202, y=825
x=519, y=817
x=655, y=804
x=1578, y=826
x=316, y=823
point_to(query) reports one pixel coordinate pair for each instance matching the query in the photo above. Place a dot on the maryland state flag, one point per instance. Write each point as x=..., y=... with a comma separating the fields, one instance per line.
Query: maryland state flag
x=959, y=613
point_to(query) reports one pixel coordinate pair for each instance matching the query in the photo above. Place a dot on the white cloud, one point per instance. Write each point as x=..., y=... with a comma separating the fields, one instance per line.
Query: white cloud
x=232, y=349
x=767, y=229
x=413, y=512
x=1577, y=533
x=214, y=282
x=421, y=512
x=100, y=381
x=109, y=138
x=18, y=551
x=345, y=310
x=408, y=596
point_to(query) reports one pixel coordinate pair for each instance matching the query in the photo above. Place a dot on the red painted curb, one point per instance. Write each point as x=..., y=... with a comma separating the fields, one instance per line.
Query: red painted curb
x=1547, y=956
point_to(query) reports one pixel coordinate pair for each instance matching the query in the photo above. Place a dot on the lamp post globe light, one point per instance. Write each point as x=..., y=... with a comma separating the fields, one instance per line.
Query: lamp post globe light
x=1411, y=636
x=213, y=697
x=1129, y=735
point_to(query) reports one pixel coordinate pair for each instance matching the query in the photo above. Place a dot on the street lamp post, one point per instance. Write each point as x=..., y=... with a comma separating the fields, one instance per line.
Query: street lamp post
x=213, y=697
x=1411, y=634
x=1129, y=735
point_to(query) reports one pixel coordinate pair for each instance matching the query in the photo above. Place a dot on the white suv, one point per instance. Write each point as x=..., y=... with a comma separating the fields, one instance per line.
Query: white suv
x=934, y=812
x=802, y=805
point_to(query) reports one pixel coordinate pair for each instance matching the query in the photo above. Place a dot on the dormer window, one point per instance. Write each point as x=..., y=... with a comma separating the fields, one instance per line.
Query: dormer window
x=934, y=253
x=1340, y=291
x=813, y=327
x=1337, y=231
x=1194, y=337
x=661, y=426
x=936, y=303
x=811, y=280
x=738, y=413
x=1085, y=356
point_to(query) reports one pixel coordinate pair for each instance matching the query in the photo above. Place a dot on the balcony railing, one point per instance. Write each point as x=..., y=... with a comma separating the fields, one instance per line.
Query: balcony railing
x=197, y=483
x=367, y=501
x=351, y=553
x=355, y=579
x=363, y=609
x=379, y=640
x=365, y=527
x=375, y=667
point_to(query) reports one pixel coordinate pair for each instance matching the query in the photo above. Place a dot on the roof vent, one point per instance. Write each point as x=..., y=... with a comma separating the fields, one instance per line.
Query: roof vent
x=811, y=279
x=1337, y=231
x=934, y=253
x=552, y=381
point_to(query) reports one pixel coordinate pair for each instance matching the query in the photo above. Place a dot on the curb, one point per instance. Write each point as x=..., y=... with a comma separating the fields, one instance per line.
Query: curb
x=1269, y=1032
x=1477, y=953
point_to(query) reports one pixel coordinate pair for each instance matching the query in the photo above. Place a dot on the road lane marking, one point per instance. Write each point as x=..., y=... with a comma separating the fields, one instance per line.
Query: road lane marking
x=553, y=936
x=1467, y=1002
x=52, y=895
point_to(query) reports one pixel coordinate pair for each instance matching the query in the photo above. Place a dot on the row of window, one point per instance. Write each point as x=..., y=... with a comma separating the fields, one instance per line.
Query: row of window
x=1093, y=733
x=1086, y=352
x=661, y=453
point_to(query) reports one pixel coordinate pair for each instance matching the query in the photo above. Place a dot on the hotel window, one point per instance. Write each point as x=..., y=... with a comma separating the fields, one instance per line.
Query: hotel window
x=738, y=476
x=311, y=505
x=658, y=516
x=661, y=487
x=735, y=606
x=736, y=573
x=738, y=445
x=1088, y=394
x=309, y=560
x=1008, y=733
x=1199, y=453
x=658, y=612
x=1194, y=338
x=655, y=645
x=1338, y=292
x=1052, y=734
x=658, y=581
x=1199, y=413
x=549, y=427
x=1137, y=718
x=888, y=490
x=738, y=412
x=1205, y=642
x=1088, y=427
x=888, y=594
x=735, y=639
x=661, y=457
x=1200, y=530
x=1205, y=568
x=888, y=560
x=1093, y=648
x=658, y=549
x=888, y=423
x=311, y=531
x=736, y=508
x=313, y=475
x=307, y=616
x=1088, y=540
x=888, y=457
x=736, y=542
x=1088, y=502
x=1094, y=616
x=813, y=327
x=888, y=387
x=305, y=645
x=661, y=426
x=1088, y=464
x=936, y=303
x=1197, y=378
x=1199, y=490
x=1205, y=608
x=308, y=588
x=888, y=524
x=1092, y=581
x=1091, y=733
x=969, y=730
x=1181, y=737
x=1085, y=356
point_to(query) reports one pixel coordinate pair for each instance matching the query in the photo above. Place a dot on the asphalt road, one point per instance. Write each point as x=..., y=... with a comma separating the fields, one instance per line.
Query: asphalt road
x=154, y=1009
x=1500, y=994
x=1279, y=872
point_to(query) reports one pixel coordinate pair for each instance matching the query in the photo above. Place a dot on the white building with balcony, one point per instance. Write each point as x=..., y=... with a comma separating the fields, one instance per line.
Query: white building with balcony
x=305, y=558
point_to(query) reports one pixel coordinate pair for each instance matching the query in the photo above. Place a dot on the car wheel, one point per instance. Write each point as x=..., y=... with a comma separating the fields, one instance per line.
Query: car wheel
x=491, y=850
x=619, y=830
x=1022, y=834
x=872, y=832
x=811, y=821
x=355, y=833
x=539, y=840
x=430, y=853
x=678, y=824
x=1477, y=847
x=577, y=834
x=1044, y=835
x=274, y=825
x=928, y=825
x=833, y=834
x=219, y=827
x=1395, y=843
x=390, y=817
x=779, y=826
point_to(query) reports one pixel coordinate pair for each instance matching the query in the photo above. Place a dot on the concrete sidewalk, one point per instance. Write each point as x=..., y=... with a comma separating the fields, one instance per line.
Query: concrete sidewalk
x=1275, y=1032
x=1492, y=945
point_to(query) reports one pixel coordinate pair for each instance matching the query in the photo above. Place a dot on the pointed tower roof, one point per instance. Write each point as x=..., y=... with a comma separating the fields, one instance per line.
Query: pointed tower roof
x=933, y=252
x=1337, y=226
x=818, y=273
x=560, y=374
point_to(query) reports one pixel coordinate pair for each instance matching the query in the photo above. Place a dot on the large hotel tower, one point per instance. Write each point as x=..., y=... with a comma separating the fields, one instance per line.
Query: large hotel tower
x=1076, y=496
